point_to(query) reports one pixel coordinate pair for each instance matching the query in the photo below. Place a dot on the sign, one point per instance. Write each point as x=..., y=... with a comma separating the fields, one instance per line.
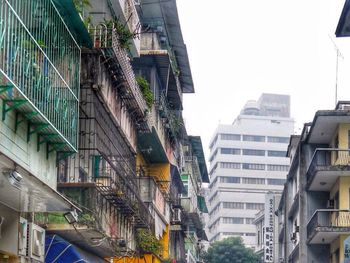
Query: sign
x=269, y=228
x=347, y=250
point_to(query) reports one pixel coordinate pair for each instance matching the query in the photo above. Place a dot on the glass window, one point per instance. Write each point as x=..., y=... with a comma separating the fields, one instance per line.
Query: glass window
x=250, y=234
x=230, y=137
x=254, y=206
x=275, y=167
x=253, y=166
x=233, y=220
x=230, y=151
x=277, y=153
x=253, y=138
x=249, y=221
x=253, y=152
x=278, y=139
x=230, y=180
x=253, y=181
x=276, y=181
x=229, y=165
x=233, y=205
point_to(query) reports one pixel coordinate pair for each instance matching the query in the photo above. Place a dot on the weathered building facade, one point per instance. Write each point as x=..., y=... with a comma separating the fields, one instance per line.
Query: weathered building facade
x=314, y=209
x=100, y=120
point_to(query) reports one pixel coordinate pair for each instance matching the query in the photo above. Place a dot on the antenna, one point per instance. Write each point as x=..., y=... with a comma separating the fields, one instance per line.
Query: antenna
x=339, y=54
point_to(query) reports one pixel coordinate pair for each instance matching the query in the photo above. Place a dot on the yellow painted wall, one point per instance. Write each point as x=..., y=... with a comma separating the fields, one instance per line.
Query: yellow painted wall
x=343, y=186
x=338, y=243
x=149, y=258
x=343, y=135
x=165, y=242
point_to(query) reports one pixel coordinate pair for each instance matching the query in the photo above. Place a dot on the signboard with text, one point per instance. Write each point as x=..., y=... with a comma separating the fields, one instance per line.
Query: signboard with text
x=269, y=228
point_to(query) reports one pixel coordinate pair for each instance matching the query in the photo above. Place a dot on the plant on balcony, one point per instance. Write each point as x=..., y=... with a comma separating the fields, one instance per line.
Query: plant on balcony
x=124, y=34
x=80, y=6
x=147, y=242
x=146, y=90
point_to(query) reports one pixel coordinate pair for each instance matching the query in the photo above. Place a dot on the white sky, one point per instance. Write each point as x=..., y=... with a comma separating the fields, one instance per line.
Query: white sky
x=239, y=49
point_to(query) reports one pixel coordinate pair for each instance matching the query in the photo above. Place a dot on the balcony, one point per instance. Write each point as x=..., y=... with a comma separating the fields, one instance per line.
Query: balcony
x=91, y=169
x=166, y=128
x=156, y=52
x=327, y=224
x=326, y=165
x=127, y=15
x=117, y=62
x=40, y=72
x=151, y=194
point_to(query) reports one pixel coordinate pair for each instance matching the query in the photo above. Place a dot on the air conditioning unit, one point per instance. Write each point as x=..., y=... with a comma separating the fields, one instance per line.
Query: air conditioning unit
x=22, y=236
x=176, y=215
x=36, y=242
x=330, y=203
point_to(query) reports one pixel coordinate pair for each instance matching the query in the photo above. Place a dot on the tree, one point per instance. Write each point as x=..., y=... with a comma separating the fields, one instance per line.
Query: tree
x=230, y=250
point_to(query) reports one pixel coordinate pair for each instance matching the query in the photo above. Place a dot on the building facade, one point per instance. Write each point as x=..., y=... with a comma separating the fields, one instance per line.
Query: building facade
x=39, y=90
x=314, y=210
x=247, y=159
x=93, y=143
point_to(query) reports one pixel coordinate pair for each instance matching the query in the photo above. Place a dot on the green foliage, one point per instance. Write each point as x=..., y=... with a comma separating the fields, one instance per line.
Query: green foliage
x=230, y=250
x=147, y=242
x=146, y=90
x=167, y=260
x=124, y=35
x=80, y=5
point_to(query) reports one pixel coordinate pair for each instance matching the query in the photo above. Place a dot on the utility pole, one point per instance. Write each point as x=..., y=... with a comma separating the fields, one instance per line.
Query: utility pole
x=339, y=54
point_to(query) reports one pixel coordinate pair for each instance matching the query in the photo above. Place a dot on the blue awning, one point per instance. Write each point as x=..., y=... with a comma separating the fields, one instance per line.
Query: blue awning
x=58, y=250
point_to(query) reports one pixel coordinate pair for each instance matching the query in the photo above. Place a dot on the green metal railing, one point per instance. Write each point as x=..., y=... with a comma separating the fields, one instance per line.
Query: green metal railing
x=40, y=67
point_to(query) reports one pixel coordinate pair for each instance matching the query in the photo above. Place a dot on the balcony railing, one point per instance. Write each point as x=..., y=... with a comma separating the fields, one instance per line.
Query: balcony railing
x=119, y=61
x=329, y=220
x=40, y=69
x=328, y=159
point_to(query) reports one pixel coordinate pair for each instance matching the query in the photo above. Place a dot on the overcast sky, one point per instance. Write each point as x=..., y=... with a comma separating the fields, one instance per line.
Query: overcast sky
x=239, y=49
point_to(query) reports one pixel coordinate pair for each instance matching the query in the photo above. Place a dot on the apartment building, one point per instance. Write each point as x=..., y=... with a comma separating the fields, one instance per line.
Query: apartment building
x=314, y=210
x=99, y=120
x=39, y=102
x=247, y=159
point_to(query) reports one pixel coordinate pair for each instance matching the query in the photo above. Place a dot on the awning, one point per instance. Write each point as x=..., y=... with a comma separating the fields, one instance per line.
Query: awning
x=58, y=250
x=202, y=206
x=72, y=19
x=29, y=193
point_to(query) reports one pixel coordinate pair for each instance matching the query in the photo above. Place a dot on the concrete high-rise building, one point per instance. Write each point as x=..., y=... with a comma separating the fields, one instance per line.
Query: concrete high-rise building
x=248, y=159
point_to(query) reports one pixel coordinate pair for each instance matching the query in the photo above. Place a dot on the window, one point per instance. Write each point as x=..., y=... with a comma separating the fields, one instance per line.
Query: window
x=228, y=165
x=253, y=181
x=254, y=206
x=253, y=152
x=253, y=138
x=230, y=151
x=253, y=166
x=275, y=167
x=250, y=234
x=230, y=180
x=232, y=234
x=276, y=181
x=233, y=220
x=249, y=221
x=230, y=137
x=277, y=153
x=278, y=139
x=233, y=205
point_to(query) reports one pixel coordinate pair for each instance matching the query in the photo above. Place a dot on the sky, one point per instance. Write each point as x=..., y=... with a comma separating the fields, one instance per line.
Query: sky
x=239, y=49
